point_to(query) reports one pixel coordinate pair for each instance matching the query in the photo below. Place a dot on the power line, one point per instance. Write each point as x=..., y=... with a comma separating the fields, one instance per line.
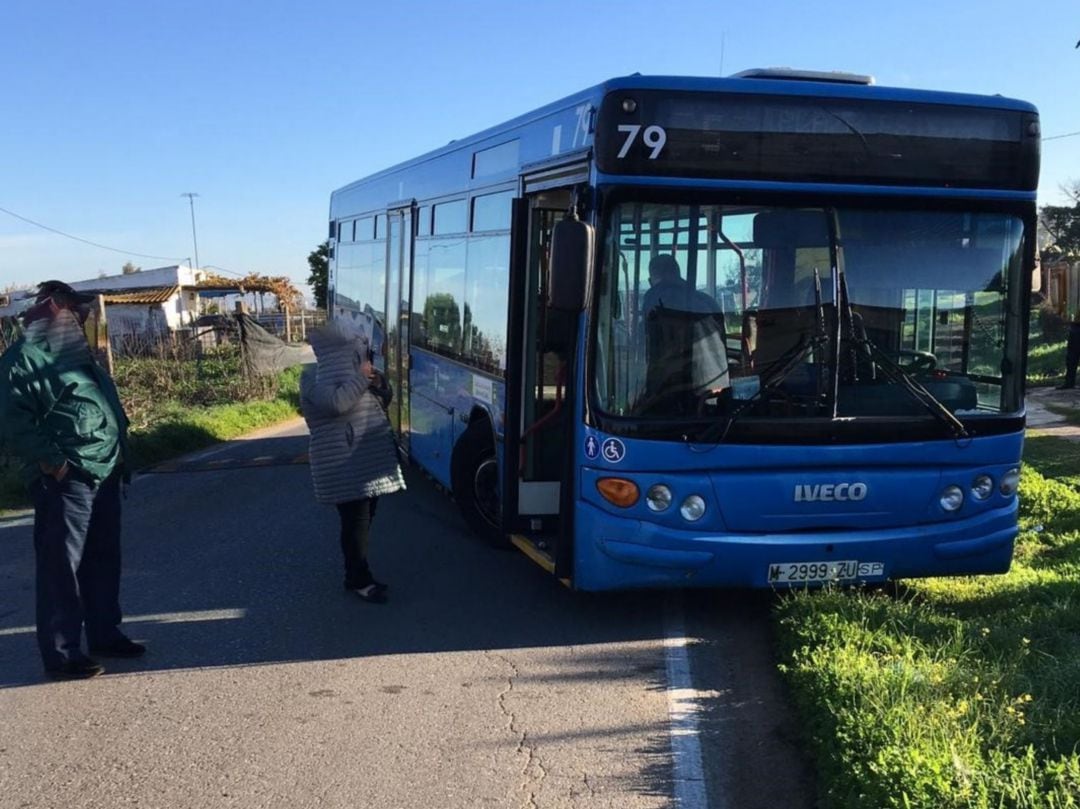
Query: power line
x=1058, y=137
x=85, y=241
x=222, y=269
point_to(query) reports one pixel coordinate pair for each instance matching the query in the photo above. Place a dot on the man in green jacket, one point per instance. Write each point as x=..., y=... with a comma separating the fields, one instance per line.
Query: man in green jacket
x=61, y=416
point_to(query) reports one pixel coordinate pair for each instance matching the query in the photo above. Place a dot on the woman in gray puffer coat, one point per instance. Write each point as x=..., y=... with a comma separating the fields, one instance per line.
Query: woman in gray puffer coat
x=353, y=457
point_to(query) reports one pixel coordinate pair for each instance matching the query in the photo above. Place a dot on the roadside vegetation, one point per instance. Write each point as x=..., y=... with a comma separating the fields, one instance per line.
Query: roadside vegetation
x=179, y=404
x=176, y=408
x=960, y=693
x=952, y=692
x=1046, y=363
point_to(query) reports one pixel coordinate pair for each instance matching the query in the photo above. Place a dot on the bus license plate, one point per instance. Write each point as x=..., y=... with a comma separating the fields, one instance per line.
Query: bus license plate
x=807, y=572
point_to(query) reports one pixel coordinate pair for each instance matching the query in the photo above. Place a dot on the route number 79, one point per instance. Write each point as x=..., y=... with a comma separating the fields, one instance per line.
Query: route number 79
x=654, y=137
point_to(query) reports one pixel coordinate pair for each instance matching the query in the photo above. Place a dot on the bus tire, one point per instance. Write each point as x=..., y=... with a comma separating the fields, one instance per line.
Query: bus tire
x=474, y=475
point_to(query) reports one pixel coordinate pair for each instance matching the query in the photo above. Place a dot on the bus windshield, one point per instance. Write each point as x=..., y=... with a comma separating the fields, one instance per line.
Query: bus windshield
x=759, y=312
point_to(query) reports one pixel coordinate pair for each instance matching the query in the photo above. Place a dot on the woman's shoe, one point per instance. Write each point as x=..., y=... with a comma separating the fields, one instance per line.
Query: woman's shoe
x=364, y=583
x=373, y=593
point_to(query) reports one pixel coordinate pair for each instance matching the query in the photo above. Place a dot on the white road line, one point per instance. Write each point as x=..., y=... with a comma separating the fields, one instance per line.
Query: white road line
x=684, y=704
x=155, y=618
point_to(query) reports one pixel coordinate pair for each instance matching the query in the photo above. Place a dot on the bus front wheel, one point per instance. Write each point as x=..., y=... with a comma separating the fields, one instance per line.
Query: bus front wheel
x=475, y=478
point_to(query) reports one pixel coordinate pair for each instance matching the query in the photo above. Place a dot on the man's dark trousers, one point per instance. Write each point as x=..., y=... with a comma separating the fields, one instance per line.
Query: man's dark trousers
x=1072, y=355
x=77, y=544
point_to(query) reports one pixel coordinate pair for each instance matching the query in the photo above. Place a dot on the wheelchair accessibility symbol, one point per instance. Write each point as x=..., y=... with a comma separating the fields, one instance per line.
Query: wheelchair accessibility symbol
x=613, y=450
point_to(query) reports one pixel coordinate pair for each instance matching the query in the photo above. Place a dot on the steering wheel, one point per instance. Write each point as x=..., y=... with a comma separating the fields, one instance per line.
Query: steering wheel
x=919, y=362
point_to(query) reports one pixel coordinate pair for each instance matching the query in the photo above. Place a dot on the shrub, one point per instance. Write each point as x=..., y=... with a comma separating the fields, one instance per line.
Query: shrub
x=1054, y=327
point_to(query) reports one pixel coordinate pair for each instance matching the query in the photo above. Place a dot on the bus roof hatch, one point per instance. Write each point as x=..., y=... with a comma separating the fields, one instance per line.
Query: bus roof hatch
x=790, y=74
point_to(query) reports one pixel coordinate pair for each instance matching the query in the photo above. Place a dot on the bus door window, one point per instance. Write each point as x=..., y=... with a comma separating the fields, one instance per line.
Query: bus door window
x=548, y=346
x=399, y=271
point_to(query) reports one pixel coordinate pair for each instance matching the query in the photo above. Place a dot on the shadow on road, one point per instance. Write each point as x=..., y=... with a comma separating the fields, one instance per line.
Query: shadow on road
x=229, y=562
x=236, y=565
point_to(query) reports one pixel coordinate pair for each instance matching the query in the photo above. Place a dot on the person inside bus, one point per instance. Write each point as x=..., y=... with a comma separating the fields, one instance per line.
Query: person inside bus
x=352, y=454
x=685, y=352
x=669, y=289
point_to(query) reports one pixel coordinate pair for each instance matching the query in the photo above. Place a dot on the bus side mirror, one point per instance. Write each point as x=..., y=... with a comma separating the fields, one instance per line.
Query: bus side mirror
x=571, y=265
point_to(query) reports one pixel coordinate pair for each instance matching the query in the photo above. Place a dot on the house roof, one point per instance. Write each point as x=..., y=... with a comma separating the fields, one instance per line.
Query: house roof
x=161, y=294
x=147, y=295
x=236, y=287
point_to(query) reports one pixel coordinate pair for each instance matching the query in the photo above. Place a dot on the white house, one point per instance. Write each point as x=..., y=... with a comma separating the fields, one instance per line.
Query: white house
x=15, y=303
x=148, y=301
x=152, y=302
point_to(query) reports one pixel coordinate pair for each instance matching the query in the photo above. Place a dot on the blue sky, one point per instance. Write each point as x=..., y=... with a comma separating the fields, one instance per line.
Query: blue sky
x=113, y=109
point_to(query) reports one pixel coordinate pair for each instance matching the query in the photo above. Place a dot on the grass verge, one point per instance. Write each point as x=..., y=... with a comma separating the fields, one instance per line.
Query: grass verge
x=958, y=692
x=1045, y=363
x=178, y=428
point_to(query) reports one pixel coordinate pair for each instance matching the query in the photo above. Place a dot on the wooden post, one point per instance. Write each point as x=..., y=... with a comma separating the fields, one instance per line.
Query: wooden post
x=288, y=325
x=97, y=333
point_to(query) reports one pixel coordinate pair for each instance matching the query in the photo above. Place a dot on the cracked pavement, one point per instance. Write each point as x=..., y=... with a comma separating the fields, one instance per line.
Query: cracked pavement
x=482, y=683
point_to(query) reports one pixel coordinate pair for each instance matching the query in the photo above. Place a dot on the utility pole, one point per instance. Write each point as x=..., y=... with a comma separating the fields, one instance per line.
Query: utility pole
x=191, y=199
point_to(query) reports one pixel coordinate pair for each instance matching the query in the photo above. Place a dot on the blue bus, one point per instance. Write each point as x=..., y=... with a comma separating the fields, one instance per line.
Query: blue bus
x=766, y=330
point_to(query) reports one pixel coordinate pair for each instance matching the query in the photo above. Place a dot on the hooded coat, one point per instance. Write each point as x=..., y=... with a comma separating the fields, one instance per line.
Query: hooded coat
x=352, y=448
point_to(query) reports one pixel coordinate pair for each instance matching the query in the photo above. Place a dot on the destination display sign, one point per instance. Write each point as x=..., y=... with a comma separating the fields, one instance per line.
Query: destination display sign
x=814, y=139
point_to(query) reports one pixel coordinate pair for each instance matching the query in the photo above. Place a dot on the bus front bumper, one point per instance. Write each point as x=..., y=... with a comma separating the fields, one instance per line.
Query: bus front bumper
x=613, y=553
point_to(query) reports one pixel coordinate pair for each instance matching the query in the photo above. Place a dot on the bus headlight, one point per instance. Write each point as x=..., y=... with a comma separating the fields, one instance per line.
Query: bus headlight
x=692, y=508
x=952, y=498
x=1010, y=482
x=658, y=498
x=983, y=487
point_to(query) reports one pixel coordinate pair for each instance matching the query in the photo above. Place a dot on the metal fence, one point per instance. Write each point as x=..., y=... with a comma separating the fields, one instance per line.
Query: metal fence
x=292, y=327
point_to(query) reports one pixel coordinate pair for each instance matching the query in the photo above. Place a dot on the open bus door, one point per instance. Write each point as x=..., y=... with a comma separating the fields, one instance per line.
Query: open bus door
x=540, y=395
x=397, y=307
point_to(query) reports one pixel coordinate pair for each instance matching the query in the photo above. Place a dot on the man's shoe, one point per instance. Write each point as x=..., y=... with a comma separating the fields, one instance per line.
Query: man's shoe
x=81, y=668
x=121, y=647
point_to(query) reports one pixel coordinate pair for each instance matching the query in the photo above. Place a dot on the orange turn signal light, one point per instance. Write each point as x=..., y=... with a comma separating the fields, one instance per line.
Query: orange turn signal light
x=621, y=492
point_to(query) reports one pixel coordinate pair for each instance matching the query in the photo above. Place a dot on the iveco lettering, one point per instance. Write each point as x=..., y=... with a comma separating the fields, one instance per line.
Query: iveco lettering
x=828, y=492
x=764, y=330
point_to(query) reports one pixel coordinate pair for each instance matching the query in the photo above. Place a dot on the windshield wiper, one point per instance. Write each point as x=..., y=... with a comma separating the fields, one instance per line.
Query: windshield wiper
x=784, y=365
x=891, y=369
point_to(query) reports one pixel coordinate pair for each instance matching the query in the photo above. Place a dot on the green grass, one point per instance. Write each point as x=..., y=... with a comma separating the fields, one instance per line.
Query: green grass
x=1055, y=458
x=958, y=692
x=177, y=429
x=1046, y=363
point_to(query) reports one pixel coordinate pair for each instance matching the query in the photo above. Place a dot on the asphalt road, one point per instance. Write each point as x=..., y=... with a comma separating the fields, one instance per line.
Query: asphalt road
x=482, y=683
